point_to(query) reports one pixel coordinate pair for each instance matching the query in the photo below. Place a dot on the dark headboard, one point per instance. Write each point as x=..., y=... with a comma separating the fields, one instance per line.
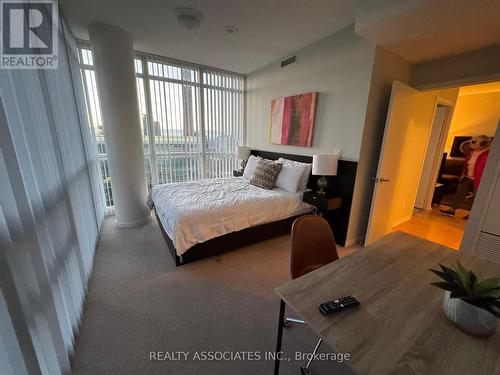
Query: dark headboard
x=341, y=185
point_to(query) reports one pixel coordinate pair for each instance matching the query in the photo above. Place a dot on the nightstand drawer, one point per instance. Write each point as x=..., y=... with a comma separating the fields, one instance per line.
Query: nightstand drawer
x=321, y=202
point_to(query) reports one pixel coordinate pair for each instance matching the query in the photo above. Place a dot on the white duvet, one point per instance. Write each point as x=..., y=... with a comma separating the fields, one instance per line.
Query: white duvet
x=197, y=211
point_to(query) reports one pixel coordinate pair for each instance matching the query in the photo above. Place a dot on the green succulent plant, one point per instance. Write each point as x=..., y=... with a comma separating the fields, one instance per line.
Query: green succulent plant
x=464, y=284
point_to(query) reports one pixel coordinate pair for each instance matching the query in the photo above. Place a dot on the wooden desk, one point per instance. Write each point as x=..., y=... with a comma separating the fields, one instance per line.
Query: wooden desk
x=399, y=327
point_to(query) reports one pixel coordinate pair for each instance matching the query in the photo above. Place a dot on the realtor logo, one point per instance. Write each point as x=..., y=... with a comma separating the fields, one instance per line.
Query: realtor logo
x=29, y=34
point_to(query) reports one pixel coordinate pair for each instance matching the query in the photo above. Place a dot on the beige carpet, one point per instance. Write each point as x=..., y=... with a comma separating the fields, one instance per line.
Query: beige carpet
x=139, y=302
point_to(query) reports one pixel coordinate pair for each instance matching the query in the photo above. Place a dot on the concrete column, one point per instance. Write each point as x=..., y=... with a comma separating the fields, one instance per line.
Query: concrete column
x=114, y=64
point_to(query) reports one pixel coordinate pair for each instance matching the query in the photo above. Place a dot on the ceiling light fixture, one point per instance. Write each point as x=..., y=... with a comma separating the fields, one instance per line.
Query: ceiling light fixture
x=188, y=18
x=231, y=29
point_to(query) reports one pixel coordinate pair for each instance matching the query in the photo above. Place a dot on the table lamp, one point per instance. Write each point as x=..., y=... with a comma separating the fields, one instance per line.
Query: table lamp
x=324, y=165
x=243, y=155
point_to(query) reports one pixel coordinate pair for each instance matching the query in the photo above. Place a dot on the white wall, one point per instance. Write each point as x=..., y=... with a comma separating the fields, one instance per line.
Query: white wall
x=474, y=115
x=387, y=67
x=466, y=68
x=339, y=68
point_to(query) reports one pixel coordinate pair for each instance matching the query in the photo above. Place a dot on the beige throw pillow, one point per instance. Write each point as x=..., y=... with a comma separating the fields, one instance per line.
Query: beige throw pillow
x=265, y=174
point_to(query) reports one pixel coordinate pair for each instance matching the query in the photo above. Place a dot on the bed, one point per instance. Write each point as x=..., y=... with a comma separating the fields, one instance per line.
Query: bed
x=198, y=211
x=207, y=217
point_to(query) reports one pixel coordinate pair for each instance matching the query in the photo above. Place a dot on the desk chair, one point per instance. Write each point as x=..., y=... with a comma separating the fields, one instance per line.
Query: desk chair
x=312, y=247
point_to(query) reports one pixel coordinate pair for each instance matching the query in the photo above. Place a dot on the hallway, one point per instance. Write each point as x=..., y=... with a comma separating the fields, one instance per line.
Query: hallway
x=433, y=226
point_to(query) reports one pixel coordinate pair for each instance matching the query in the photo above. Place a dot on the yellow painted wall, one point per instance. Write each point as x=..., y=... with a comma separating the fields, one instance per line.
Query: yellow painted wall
x=474, y=115
x=415, y=148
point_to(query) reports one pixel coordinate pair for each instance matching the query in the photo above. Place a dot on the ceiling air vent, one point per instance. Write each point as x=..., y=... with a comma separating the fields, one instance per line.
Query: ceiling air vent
x=290, y=60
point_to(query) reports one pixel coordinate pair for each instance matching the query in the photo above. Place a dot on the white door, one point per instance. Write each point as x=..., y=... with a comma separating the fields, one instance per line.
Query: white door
x=433, y=158
x=402, y=107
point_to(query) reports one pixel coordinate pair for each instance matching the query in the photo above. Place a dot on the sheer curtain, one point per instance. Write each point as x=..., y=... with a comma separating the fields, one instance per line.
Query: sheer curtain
x=51, y=213
x=223, y=96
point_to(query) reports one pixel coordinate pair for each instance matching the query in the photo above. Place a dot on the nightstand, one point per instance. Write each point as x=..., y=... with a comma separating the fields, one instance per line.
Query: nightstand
x=333, y=210
x=237, y=173
x=322, y=203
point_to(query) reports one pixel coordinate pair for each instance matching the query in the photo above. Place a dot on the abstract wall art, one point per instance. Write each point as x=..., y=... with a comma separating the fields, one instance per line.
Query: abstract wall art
x=292, y=120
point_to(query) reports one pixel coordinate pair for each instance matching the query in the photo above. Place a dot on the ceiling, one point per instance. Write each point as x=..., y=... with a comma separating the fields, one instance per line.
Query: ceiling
x=422, y=30
x=483, y=88
x=417, y=30
x=268, y=30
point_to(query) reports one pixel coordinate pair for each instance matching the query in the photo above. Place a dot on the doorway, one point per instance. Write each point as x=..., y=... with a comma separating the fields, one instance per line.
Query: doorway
x=420, y=176
x=427, y=221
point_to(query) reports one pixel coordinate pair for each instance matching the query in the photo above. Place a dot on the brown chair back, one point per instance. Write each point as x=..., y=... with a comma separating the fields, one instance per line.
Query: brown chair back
x=313, y=245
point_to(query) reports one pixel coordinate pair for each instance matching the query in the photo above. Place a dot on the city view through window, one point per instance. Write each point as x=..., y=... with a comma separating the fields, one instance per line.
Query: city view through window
x=191, y=118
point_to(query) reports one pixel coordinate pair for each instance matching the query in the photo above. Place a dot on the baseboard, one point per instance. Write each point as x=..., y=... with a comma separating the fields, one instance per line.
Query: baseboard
x=351, y=242
x=137, y=223
x=401, y=221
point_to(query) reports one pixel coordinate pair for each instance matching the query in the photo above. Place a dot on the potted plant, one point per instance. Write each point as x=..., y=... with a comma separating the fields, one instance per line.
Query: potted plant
x=472, y=305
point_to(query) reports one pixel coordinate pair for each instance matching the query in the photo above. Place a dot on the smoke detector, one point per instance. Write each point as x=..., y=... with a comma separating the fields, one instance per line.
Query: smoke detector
x=188, y=18
x=231, y=29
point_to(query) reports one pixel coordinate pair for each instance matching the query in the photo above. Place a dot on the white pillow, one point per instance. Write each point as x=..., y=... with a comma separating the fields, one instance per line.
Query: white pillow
x=305, y=175
x=250, y=166
x=289, y=178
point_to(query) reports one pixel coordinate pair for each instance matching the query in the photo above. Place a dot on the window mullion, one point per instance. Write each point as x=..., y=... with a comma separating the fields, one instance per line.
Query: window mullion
x=149, y=122
x=202, y=124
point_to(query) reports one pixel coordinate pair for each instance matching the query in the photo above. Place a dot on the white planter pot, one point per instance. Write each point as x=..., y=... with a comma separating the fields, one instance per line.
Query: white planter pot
x=469, y=318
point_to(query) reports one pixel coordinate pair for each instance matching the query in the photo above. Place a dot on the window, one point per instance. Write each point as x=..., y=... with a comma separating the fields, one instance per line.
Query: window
x=191, y=118
x=196, y=120
x=95, y=119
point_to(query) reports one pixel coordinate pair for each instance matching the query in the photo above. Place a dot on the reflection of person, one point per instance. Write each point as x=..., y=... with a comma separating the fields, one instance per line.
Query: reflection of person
x=475, y=161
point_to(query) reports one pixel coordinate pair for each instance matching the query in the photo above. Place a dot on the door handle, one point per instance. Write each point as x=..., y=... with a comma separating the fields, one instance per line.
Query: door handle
x=380, y=179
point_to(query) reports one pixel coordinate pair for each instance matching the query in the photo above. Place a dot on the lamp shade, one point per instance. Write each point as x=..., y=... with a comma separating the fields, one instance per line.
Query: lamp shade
x=243, y=152
x=325, y=165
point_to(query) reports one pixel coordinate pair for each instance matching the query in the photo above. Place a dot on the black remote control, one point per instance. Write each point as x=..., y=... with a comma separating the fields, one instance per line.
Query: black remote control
x=338, y=305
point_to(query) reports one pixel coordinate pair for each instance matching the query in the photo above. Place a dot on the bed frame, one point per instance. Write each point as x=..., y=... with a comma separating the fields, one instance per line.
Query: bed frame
x=341, y=185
